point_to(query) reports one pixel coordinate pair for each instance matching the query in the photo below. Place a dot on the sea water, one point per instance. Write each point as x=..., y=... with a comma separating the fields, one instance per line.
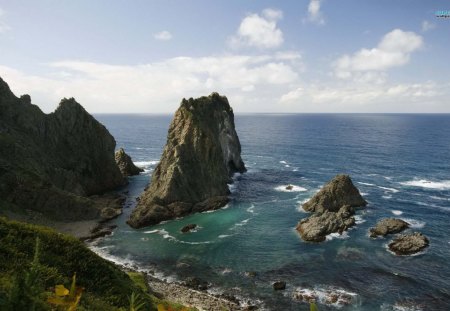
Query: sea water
x=400, y=163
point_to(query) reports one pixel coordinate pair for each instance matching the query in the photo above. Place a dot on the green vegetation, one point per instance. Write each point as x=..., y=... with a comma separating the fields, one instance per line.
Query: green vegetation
x=34, y=259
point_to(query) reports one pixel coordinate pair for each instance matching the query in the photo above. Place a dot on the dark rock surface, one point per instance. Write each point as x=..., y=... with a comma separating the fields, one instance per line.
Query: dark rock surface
x=316, y=227
x=188, y=228
x=52, y=163
x=279, y=285
x=408, y=244
x=196, y=283
x=125, y=164
x=333, y=208
x=201, y=154
x=388, y=226
x=338, y=192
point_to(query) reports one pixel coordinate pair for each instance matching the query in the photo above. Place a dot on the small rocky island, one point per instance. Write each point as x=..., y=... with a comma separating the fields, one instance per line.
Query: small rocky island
x=125, y=164
x=333, y=208
x=388, y=226
x=201, y=154
x=408, y=244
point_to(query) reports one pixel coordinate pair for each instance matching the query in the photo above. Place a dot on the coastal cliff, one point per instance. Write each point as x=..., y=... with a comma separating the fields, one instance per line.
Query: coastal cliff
x=52, y=163
x=201, y=154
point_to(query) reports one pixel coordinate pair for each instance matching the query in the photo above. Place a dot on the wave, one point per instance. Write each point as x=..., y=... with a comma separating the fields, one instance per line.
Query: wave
x=251, y=209
x=336, y=235
x=389, y=189
x=223, y=236
x=283, y=162
x=365, y=183
x=359, y=219
x=439, y=198
x=145, y=163
x=396, y=212
x=328, y=295
x=282, y=188
x=416, y=224
x=387, y=197
x=427, y=184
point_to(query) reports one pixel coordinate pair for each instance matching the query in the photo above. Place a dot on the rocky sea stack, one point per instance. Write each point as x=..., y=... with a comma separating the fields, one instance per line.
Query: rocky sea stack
x=201, y=154
x=388, y=226
x=125, y=164
x=408, y=244
x=333, y=208
x=51, y=163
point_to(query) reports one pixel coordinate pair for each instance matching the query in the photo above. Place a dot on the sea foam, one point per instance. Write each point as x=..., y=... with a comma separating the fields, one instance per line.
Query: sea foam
x=427, y=184
x=282, y=188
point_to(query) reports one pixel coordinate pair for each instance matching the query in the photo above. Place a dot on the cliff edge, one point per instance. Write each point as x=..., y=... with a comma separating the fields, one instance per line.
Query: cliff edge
x=51, y=163
x=201, y=154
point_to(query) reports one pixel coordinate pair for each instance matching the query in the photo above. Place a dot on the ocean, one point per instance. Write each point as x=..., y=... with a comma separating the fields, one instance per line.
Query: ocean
x=399, y=162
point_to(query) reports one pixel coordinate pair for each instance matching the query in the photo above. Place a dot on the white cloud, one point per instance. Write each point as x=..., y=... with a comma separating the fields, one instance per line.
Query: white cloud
x=163, y=35
x=426, y=26
x=3, y=26
x=393, y=50
x=259, y=31
x=158, y=87
x=414, y=97
x=314, y=13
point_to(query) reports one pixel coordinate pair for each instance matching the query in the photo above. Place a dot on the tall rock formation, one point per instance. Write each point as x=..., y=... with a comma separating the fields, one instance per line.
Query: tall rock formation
x=51, y=163
x=201, y=154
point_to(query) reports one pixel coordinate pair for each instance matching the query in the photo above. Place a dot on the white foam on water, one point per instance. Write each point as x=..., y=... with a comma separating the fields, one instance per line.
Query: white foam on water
x=359, y=219
x=387, y=197
x=365, y=183
x=152, y=231
x=251, y=209
x=282, y=188
x=283, y=162
x=223, y=236
x=364, y=193
x=287, y=165
x=145, y=163
x=389, y=189
x=336, y=235
x=439, y=198
x=295, y=169
x=226, y=271
x=416, y=224
x=387, y=177
x=323, y=295
x=427, y=184
x=396, y=212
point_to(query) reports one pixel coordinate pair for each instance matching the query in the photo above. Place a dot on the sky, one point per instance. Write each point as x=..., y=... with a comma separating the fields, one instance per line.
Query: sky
x=292, y=56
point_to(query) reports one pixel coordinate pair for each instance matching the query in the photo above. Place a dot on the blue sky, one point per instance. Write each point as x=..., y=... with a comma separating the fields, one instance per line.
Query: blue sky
x=265, y=56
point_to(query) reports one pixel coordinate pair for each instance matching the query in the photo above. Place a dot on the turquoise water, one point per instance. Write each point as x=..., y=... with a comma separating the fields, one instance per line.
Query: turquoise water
x=400, y=163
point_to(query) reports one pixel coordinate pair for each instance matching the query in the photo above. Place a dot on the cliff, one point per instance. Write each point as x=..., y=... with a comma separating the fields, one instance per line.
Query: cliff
x=51, y=163
x=201, y=154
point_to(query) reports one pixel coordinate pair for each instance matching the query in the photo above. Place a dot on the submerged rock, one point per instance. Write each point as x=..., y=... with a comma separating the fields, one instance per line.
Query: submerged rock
x=316, y=227
x=279, y=285
x=408, y=244
x=201, y=154
x=333, y=208
x=388, y=226
x=52, y=163
x=289, y=187
x=125, y=164
x=188, y=228
x=338, y=192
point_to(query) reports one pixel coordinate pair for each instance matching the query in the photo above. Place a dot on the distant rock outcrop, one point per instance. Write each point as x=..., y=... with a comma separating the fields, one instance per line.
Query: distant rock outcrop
x=388, y=226
x=125, y=164
x=338, y=192
x=201, y=154
x=333, y=208
x=408, y=244
x=51, y=163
